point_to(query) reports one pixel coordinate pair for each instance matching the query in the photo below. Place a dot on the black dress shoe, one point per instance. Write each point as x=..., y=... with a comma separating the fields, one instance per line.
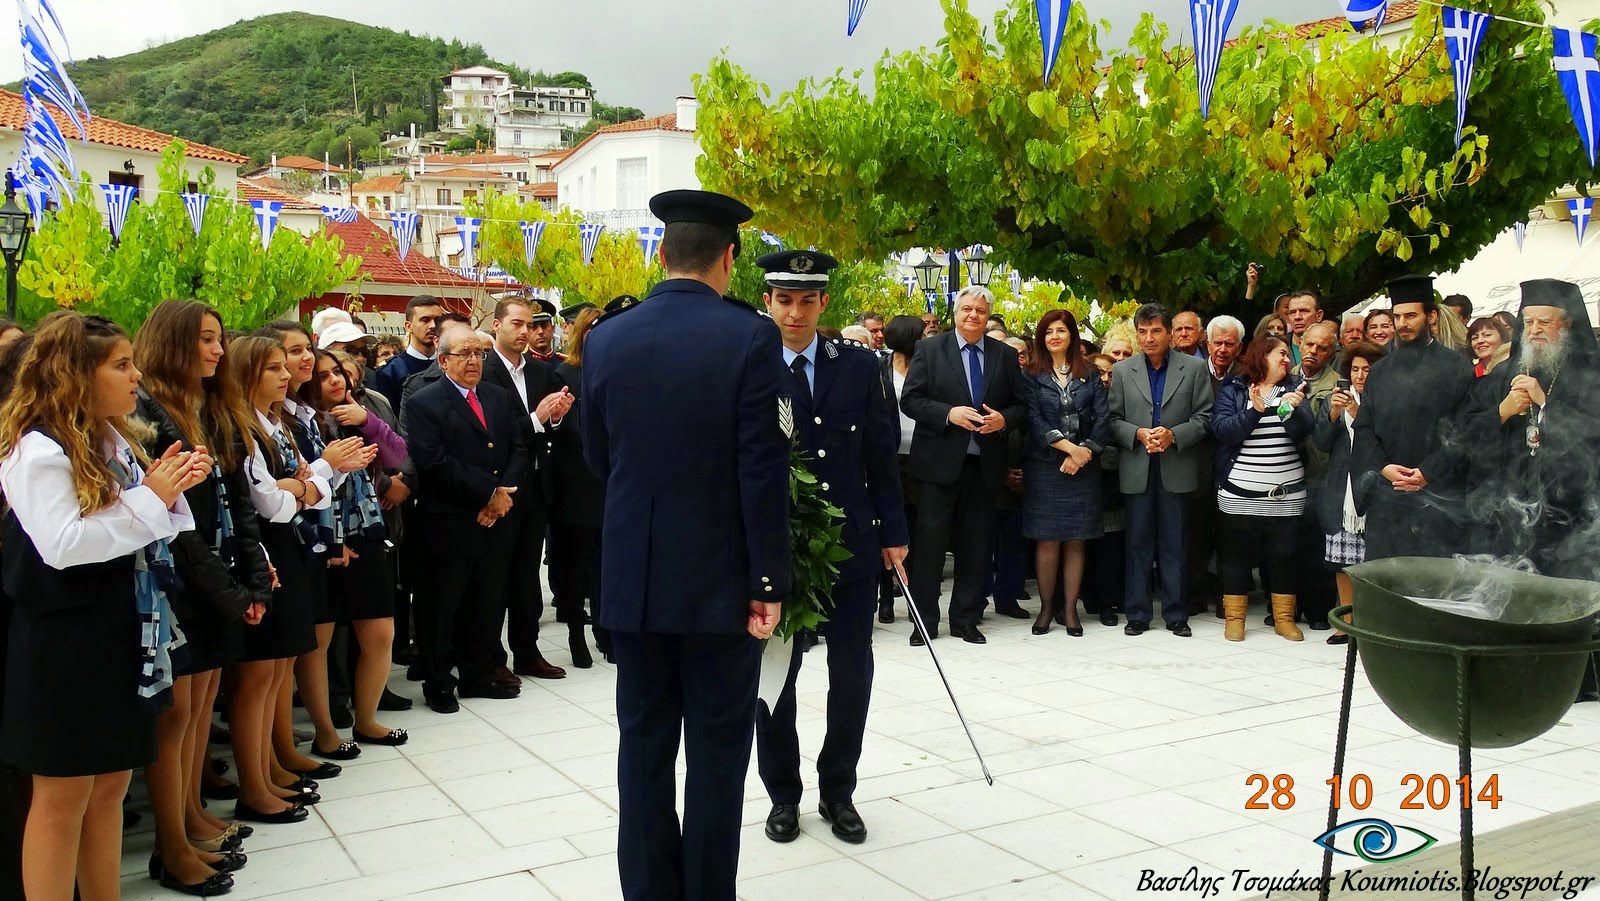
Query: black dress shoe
x=886, y=611
x=1181, y=630
x=1133, y=628
x=443, y=702
x=494, y=691
x=1320, y=625
x=218, y=884
x=1013, y=610
x=783, y=823
x=1024, y=596
x=414, y=673
x=917, y=640
x=1338, y=638
x=325, y=771
x=341, y=716
x=294, y=814
x=968, y=634
x=393, y=703
x=1109, y=618
x=847, y=824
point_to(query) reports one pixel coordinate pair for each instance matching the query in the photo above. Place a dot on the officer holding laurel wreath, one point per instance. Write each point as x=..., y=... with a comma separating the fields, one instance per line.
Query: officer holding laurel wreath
x=848, y=432
x=681, y=397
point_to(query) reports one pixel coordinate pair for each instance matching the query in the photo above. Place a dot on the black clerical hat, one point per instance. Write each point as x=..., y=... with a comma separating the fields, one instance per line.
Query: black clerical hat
x=798, y=270
x=699, y=206
x=1412, y=289
x=1553, y=292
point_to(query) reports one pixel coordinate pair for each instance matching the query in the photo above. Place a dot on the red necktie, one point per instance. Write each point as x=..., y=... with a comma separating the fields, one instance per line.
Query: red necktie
x=477, y=409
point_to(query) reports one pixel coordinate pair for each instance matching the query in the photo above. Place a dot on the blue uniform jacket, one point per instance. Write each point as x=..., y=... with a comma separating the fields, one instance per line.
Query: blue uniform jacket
x=680, y=420
x=851, y=440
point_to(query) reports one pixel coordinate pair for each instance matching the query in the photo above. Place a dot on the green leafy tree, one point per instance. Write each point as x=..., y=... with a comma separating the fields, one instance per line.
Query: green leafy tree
x=618, y=266
x=73, y=263
x=1333, y=157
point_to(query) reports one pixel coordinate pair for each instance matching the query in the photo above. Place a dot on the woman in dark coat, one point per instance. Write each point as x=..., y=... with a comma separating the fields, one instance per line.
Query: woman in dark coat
x=579, y=497
x=1334, y=435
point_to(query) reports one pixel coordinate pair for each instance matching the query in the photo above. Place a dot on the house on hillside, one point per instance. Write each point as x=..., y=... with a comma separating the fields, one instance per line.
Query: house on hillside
x=470, y=97
x=380, y=195
x=528, y=119
x=507, y=164
x=118, y=153
x=611, y=175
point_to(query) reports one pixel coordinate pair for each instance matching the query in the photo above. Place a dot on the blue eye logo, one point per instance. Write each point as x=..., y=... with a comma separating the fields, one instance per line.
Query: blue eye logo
x=1376, y=841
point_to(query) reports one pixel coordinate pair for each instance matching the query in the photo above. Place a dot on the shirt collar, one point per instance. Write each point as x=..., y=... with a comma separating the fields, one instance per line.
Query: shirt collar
x=962, y=344
x=810, y=353
x=412, y=351
x=293, y=408
x=272, y=426
x=464, y=391
x=516, y=366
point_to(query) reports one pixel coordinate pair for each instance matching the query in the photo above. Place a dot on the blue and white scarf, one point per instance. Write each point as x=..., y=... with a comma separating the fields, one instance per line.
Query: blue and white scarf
x=359, y=513
x=289, y=462
x=222, y=538
x=326, y=535
x=153, y=578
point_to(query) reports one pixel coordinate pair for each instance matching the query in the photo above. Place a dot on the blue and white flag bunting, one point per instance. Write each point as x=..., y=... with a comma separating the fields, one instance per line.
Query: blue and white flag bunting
x=1210, y=19
x=1016, y=282
x=343, y=215
x=857, y=7
x=531, y=233
x=772, y=239
x=1463, y=32
x=405, y=231
x=267, y=212
x=46, y=160
x=1052, y=31
x=119, y=199
x=468, y=227
x=650, y=241
x=911, y=285
x=195, y=204
x=1581, y=208
x=1579, y=73
x=1360, y=12
x=944, y=284
x=590, y=233
x=1521, y=229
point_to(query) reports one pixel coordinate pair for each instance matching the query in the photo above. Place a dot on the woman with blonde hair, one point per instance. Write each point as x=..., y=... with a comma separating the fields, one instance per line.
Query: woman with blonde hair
x=92, y=642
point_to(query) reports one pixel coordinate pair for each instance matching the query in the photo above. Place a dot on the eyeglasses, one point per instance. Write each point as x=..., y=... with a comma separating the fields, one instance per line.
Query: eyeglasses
x=480, y=354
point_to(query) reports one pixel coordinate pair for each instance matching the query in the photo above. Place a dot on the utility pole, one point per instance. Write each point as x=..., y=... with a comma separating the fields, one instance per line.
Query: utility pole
x=355, y=102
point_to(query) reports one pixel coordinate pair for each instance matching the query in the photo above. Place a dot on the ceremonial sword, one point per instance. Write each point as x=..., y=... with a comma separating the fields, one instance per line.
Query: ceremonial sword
x=911, y=605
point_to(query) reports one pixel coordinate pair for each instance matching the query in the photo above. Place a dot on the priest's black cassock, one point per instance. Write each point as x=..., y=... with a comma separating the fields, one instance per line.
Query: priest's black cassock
x=1534, y=489
x=1409, y=415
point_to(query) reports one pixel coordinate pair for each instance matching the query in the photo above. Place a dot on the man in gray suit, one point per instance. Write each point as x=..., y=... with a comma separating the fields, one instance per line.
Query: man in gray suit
x=1160, y=410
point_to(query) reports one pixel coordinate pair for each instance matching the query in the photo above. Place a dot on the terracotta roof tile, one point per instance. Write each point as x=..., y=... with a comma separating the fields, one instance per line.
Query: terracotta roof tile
x=543, y=190
x=112, y=133
x=669, y=122
x=471, y=159
x=251, y=189
x=380, y=258
x=383, y=184
x=459, y=172
x=305, y=163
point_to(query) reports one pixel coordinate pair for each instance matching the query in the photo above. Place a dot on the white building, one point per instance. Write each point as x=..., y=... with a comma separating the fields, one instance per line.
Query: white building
x=470, y=97
x=612, y=174
x=298, y=214
x=318, y=181
x=528, y=120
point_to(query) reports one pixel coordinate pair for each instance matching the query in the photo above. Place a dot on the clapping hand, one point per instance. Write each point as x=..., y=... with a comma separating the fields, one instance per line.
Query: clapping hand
x=175, y=472
x=348, y=455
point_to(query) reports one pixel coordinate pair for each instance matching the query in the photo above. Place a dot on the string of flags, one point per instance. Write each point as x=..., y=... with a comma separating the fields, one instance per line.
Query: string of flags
x=1581, y=208
x=1522, y=234
x=267, y=212
x=650, y=241
x=43, y=166
x=119, y=199
x=343, y=215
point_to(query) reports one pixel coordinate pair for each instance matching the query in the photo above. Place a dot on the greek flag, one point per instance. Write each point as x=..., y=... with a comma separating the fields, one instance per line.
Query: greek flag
x=1016, y=282
x=911, y=285
x=1580, y=81
x=195, y=204
x=1581, y=208
x=45, y=154
x=650, y=241
x=857, y=7
x=1210, y=19
x=45, y=148
x=531, y=233
x=405, y=230
x=590, y=233
x=1052, y=30
x=469, y=237
x=119, y=199
x=944, y=285
x=1522, y=233
x=267, y=218
x=1362, y=11
x=343, y=215
x=770, y=238
x=1463, y=32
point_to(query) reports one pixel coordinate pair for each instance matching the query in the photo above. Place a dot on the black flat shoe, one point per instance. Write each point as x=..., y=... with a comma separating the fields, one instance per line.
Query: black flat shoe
x=1014, y=611
x=226, y=791
x=847, y=825
x=917, y=640
x=1320, y=625
x=1338, y=638
x=783, y=823
x=347, y=750
x=1133, y=628
x=969, y=634
x=394, y=738
x=1109, y=618
x=220, y=884
x=303, y=784
x=1181, y=630
x=323, y=771
x=389, y=702
x=443, y=702
x=294, y=814
x=230, y=862
x=304, y=798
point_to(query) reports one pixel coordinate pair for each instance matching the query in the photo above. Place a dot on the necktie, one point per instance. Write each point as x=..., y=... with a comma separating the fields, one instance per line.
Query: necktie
x=975, y=375
x=477, y=409
x=802, y=388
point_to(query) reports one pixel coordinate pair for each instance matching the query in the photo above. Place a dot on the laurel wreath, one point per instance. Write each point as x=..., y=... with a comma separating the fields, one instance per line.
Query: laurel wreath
x=816, y=529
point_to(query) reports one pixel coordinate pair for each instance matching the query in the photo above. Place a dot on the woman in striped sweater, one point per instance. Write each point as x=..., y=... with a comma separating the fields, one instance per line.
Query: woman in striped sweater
x=1259, y=420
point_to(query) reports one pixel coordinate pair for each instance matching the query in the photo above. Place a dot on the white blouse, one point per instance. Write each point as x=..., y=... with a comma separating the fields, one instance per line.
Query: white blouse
x=37, y=480
x=319, y=466
x=273, y=503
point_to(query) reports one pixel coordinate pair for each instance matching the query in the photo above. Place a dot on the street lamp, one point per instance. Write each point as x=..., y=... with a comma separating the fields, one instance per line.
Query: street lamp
x=927, y=276
x=979, y=269
x=14, y=233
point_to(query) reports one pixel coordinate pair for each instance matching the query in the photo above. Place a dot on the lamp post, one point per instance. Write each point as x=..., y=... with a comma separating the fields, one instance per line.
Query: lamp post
x=14, y=233
x=927, y=278
x=979, y=269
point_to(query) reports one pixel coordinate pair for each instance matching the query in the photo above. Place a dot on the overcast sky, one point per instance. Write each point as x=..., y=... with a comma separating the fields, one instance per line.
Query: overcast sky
x=637, y=52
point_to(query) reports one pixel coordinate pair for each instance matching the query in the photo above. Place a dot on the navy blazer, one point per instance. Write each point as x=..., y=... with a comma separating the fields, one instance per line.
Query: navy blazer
x=459, y=461
x=850, y=435
x=541, y=380
x=390, y=378
x=1046, y=404
x=680, y=420
x=1233, y=418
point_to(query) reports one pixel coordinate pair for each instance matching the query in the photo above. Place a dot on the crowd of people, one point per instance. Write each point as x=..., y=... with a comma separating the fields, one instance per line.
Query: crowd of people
x=202, y=521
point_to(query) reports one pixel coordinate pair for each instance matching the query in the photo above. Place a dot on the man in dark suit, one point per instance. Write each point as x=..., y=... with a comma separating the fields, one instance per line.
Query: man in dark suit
x=849, y=434
x=422, y=336
x=469, y=442
x=1160, y=411
x=681, y=399
x=538, y=391
x=963, y=390
x=1224, y=340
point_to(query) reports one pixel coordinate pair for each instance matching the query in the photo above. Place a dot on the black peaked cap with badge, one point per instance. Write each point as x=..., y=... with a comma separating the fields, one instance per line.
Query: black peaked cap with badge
x=570, y=314
x=543, y=310
x=621, y=302
x=798, y=270
x=707, y=207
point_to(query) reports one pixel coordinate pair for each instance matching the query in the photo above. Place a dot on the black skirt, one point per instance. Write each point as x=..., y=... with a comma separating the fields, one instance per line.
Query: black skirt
x=364, y=589
x=289, y=628
x=211, y=643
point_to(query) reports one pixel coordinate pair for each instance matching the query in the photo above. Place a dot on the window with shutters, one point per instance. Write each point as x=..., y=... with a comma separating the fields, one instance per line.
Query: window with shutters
x=633, y=183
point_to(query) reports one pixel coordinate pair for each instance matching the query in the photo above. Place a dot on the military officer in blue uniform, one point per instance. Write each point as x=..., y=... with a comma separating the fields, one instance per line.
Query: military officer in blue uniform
x=681, y=393
x=849, y=434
